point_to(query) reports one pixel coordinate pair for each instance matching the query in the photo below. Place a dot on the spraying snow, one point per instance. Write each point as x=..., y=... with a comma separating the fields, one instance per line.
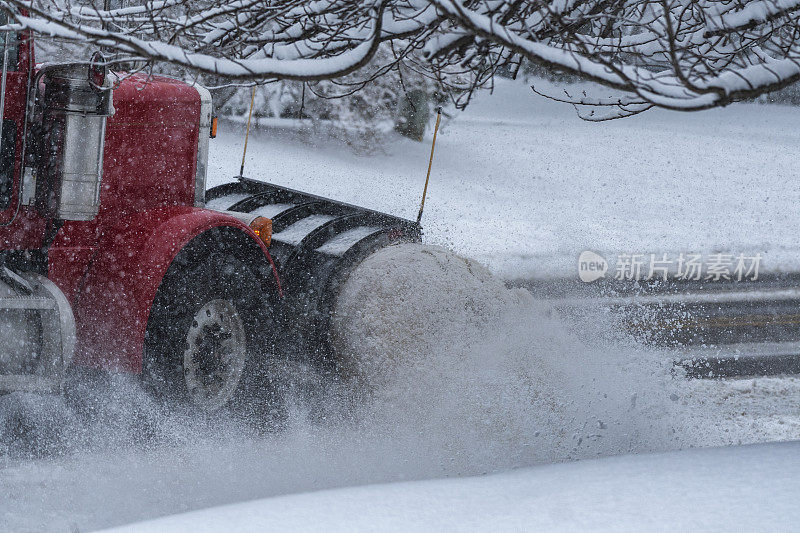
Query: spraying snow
x=403, y=300
x=484, y=374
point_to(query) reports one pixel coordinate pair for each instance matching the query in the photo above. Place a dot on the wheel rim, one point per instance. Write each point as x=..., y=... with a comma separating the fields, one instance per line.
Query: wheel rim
x=215, y=355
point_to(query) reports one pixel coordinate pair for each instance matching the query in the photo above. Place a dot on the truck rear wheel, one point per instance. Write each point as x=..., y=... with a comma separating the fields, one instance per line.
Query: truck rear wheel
x=203, y=346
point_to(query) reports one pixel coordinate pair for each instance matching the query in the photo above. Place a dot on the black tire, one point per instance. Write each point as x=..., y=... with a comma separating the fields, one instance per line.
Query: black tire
x=184, y=354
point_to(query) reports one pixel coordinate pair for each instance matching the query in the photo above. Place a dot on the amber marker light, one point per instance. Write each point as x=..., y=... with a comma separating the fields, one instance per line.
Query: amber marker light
x=262, y=226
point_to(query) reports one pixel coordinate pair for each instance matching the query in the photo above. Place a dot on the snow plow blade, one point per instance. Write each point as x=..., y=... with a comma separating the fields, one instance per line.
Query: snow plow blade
x=316, y=242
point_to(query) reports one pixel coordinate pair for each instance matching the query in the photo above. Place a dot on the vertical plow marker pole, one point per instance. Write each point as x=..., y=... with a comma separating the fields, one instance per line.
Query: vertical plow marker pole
x=247, y=133
x=430, y=163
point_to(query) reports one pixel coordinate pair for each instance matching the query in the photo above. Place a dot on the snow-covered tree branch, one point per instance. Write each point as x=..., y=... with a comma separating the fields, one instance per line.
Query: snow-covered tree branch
x=677, y=54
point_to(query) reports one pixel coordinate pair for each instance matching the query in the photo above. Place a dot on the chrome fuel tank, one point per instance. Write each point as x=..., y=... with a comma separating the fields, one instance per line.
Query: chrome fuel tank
x=74, y=125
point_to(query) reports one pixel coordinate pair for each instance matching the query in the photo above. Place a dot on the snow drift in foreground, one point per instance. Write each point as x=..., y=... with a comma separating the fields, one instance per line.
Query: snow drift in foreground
x=752, y=488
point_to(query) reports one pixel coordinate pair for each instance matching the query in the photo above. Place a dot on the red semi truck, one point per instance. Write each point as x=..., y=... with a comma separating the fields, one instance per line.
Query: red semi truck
x=114, y=256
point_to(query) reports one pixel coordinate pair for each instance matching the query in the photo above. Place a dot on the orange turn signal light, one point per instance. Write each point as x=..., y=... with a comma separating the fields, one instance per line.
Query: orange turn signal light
x=262, y=227
x=213, y=127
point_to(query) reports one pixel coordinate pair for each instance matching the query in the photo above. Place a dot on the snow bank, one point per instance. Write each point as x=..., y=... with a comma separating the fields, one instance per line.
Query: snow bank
x=751, y=488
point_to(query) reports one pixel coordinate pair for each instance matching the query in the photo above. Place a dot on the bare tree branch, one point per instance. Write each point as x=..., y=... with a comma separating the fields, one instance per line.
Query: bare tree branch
x=677, y=54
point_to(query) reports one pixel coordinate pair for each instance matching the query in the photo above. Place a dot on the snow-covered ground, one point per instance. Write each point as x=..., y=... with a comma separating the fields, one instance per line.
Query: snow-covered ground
x=752, y=488
x=491, y=380
x=523, y=185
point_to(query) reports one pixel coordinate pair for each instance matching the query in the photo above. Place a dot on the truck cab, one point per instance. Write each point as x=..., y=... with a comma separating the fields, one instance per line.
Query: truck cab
x=102, y=186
